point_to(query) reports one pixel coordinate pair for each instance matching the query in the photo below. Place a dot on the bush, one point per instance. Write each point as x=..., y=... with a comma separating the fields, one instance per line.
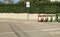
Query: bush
x=36, y=7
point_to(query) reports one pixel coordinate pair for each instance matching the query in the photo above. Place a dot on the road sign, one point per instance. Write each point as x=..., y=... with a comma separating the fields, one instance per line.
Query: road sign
x=27, y=4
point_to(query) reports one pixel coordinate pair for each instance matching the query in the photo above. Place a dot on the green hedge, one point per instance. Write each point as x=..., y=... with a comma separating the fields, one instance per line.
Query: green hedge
x=36, y=7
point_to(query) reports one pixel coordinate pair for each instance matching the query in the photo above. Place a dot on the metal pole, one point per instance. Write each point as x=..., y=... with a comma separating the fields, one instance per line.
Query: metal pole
x=28, y=13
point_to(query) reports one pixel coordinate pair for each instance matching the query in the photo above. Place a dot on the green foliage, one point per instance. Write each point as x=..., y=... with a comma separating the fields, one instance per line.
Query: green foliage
x=44, y=7
x=36, y=7
x=50, y=8
x=15, y=8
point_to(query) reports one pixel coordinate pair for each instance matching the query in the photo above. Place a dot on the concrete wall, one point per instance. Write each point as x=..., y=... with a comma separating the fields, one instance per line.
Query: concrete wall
x=21, y=16
x=6, y=15
x=33, y=16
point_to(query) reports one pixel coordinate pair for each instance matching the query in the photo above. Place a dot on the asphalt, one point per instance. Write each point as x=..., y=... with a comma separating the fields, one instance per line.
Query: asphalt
x=24, y=28
x=38, y=29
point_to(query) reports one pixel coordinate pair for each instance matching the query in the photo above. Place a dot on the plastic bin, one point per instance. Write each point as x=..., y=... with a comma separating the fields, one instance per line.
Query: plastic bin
x=44, y=18
x=53, y=18
x=49, y=19
x=39, y=18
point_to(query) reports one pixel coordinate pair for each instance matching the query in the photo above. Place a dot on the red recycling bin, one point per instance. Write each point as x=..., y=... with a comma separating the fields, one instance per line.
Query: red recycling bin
x=39, y=18
x=42, y=18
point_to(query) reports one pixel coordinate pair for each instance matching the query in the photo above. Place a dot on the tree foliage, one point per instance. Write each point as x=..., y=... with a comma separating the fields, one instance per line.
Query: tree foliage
x=36, y=7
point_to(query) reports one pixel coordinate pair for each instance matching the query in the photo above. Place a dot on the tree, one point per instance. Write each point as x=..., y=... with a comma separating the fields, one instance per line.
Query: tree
x=50, y=8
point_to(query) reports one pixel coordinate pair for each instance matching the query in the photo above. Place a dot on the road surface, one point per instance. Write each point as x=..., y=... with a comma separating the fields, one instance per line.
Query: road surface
x=19, y=28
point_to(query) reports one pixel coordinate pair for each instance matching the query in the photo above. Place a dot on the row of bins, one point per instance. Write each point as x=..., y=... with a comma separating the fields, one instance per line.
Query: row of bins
x=46, y=18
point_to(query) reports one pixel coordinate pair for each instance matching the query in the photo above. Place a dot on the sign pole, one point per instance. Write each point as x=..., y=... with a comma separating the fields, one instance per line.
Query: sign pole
x=28, y=6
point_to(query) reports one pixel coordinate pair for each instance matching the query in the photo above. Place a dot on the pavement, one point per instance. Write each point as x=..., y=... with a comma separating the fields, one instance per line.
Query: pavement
x=20, y=28
x=5, y=30
x=37, y=29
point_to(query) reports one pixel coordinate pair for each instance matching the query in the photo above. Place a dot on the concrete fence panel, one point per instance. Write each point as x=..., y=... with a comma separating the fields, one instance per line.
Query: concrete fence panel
x=8, y=15
x=33, y=16
x=22, y=16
